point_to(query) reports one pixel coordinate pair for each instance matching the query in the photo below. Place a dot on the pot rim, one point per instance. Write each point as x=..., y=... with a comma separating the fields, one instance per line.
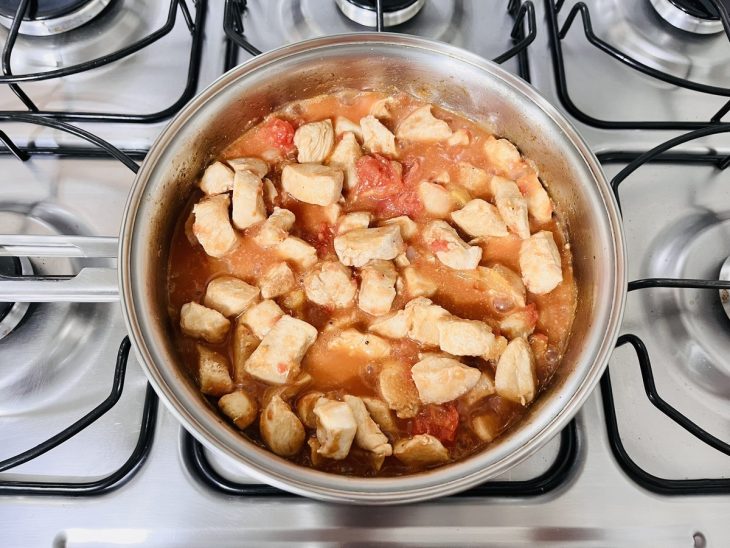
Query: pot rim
x=267, y=467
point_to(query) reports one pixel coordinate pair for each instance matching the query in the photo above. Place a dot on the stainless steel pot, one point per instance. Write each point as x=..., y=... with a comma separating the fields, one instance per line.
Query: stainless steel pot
x=443, y=74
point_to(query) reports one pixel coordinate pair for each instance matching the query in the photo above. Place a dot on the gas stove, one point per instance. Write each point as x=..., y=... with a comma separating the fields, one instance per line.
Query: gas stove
x=91, y=458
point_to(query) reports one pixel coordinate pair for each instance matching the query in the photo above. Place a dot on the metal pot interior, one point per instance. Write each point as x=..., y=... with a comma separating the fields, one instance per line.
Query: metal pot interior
x=457, y=80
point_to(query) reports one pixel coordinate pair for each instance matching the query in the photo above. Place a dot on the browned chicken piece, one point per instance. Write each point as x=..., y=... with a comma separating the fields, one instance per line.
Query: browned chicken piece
x=344, y=156
x=520, y=323
x=500, y=344
x=217, y=179
x=257, y=166
x=345, y=125
x=437, y=200
x=305, y=408
x=240, y=407
x=504, y=286
x=464, y=337
x=474, y=179
x=330, y=284
x=397, y=389
x=276, y=228
x=449, y=248
x=486, y=427
x=314, y=141
x=359, y=246
x=423, y=318
x=502, y=154
x=280, y=428
x=408, y=227
x=354, y=342
x=380, y=413
x=459, y=138
x=213, y=375
x=515, y=379
x=482, y=389
x=393, y=326
x=538, y=201
x=416, y=284
x=540, y=263
x=480, y=219
x=351, y=221
x=297, y=251
x=440, y=380
x=421, y=450
x=381, y=108
x=368, y=435
x=278, y=280
x=336, y=428
x=511, y=205
x=376, y=138
x=244, y=343
x=230, y=295
x=261, y=317
x=377, y=287
x=212, y=225
x=203, y=323
x=421, y=125
x=248, y=200
x=313, y=183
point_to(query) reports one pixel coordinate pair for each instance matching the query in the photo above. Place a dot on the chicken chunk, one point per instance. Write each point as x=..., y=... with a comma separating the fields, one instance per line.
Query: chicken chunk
x=439, y=380
x=230, y=296
x=511, y=206
x=377, y=287
x=336, y=428
x=502, y=154
x=261, y=317
x=408, y=227
x=213, y=375
x=504, y=286
x=201, y=322
x=257, y=166
x=376, y=138
x=459, y=138
x=212, y=225
x=248, y=200
x=381, y=108
x=480, y=219
x=358, y=247
x=497, y=349
x=270, y=192
x=312, y=183
x=423, y=319
x=449, y=248
x=486, y=427
x=418, y=285
x=538, y=201
x=422, y=125
x=344, y=156
x=240, y=407
x=351, y=221
x=397, y=389
x=280, y=428
x=540, y=263
x=420, y=450
x=520, y=323
x=297, y=251
x=314, y=141
x=277, y=280
x=276, y=228
x=330, y=284
x=437, y=200
x=217, y=179
x=393, y=326
x=345, y=125
x=368, y=435
x=474, y=179
x=305, y=408
x=515, y=379
x=365, y=344
x=278, y=357
x=244, y=343
x=464, y=337
x=483, y=388
x=380, y=413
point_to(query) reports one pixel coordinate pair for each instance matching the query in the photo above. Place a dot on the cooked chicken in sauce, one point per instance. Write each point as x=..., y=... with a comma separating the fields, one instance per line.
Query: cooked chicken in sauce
x=370, y=285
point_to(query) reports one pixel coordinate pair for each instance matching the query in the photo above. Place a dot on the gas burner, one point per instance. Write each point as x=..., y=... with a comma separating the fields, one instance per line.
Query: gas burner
x=724, y=293
x=49, y=17
x=696, y=16
x=11, y=314
x=395, y=12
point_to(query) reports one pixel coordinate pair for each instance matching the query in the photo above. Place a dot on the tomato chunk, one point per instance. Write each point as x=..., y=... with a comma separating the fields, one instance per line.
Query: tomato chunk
x=380, y=185
x=440, y=421
x=279, y=133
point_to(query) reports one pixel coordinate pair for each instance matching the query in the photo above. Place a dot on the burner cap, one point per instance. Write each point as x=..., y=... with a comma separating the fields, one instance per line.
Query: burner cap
x=47, y=17
x=696, y=16
x=395, y=12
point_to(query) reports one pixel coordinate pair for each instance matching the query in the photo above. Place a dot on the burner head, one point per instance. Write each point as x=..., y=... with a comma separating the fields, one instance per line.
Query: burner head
x=48, y=17
x=696, y=16
x=395, y=12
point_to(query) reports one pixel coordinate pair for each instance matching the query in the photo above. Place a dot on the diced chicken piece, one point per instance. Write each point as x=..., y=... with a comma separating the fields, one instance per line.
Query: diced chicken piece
x=280, y=428
x=464, y=337
x=290, y=390
x=402, y=261
x=261, y=317
x=314, y=141
x=423, y=318
x=515, y=379
x=294, y=300
x=420, y=450
x=442, y=178
x=497, y=349
x=486, y=427
x=408, y=227
x=502, y=154
x=312, y=183
x=305, y=408
x=212, y=225
x=276, y=228
x=439, y=380
x=270, y=192
x=230, y=296
x=381, y=108
x=504, y=286
x=459, y=138
x=257, y=166
x=330, y=284
x=297, y=251
x=449, y=248
x=331, y=213
x=482, y=389
x=351, y=221
x=368, y=435
x=279, y=279
x=213, y=375
x=437, y=201
x=248, y=200
x=277, y=358
x=365, y=344
x=358, y=247
x=315, y=458
x=201, y=322
x=397, y=389
x=344, y=156
x=240, y=407
x=393, y=326
x=377, y=287
x=344, y=125
x=540, y=263
x=336, y=428
x=520, y=323
x=538, y=201
x=511, y=205
x=380, y=413
x=217, y=179
x=480, y=219
x=418, y=285
x=422, y=125
x=474, y=179
x=376, y=138
x=244, y=343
